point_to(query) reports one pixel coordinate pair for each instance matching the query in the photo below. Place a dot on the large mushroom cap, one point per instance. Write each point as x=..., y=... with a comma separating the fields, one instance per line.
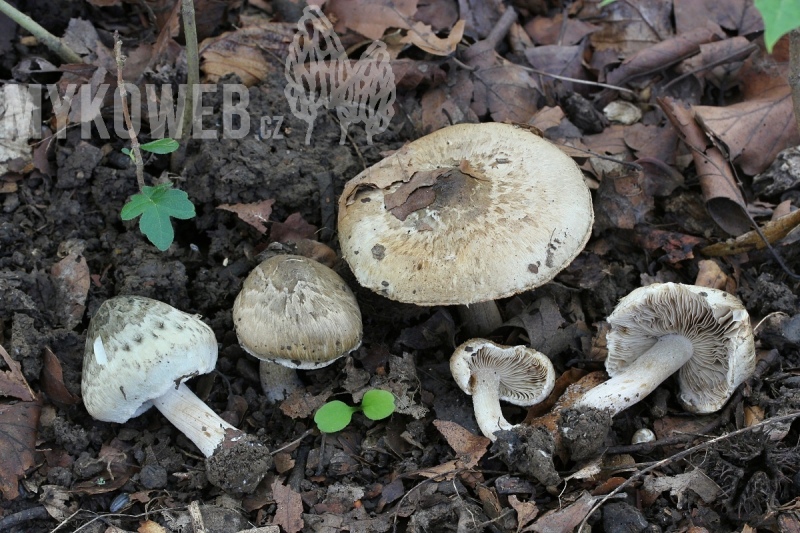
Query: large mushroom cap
x=715, y=322
x=297, y=312
x=136, y=350
x=470, y=213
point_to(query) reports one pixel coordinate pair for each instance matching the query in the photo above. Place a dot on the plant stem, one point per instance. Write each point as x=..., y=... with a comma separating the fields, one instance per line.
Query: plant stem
x=193, y=79
x=123, y=94
x=45, y=37
x=794, y=72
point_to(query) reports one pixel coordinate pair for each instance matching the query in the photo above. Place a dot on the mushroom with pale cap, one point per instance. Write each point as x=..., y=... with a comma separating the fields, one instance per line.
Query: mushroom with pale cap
x=464, y=216
x=703, y=334
x=139, y=352
x=492, y=372
x=295, y=313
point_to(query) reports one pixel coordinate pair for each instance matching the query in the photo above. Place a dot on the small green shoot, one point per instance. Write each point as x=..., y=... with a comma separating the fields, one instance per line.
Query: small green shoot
x=156, y=205
x=334, y=416
x=159, y=146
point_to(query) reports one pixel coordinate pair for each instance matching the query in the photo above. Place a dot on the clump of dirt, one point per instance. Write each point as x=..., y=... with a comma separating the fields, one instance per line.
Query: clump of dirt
x=584, y=430
x=529, y=450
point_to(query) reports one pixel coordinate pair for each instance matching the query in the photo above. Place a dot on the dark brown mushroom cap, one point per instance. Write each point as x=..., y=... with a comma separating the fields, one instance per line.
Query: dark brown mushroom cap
x=715, y=322
x=297, y=312
x=469, y=213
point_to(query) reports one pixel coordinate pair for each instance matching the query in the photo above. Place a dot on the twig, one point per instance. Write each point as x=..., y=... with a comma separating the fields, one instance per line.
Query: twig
x=680, y=455
x=15, y=519
x=123, y=94
x=576, y=80
x=192, y=61
x=198, y=526
x=45, y=37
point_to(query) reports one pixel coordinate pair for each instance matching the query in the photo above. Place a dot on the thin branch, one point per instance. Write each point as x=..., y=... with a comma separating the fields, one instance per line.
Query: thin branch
x=45, y=37
x=123, y=94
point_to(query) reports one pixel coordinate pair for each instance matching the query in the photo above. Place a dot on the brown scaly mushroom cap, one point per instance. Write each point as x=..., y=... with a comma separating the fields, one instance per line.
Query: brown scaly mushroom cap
x=296, y=312
x=659, y=329
x=467, y=214
x=492, y=372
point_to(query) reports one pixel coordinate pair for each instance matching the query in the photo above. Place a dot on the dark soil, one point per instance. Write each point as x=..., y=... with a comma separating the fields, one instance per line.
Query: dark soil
x=90, y=475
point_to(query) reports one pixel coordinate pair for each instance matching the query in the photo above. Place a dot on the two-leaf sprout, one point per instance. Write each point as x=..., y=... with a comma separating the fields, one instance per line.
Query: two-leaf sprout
x=334, y=416
x=157, y=204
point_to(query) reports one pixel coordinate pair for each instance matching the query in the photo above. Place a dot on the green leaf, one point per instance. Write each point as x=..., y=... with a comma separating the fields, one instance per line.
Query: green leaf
x=127, y=151
x=604, y=3
x=377, y=404
x=780, y=17
x=156, y=205
x=334, y=416
x=161, y=146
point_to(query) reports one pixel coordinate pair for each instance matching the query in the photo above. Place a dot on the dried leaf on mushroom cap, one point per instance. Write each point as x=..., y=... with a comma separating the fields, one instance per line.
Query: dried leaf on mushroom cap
x=467, y=214
x=714, y=321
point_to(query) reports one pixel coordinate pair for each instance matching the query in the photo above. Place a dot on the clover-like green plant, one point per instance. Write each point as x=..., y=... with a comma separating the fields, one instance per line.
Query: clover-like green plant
x=159, y=146
x=334, y=416
x=156, y=205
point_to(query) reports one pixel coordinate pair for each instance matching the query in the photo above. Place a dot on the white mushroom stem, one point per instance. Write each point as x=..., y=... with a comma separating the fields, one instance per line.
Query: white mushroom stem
x=193, y=418
x=641, y=377
x=486, y=403
x=480, y=319
x=278, y=381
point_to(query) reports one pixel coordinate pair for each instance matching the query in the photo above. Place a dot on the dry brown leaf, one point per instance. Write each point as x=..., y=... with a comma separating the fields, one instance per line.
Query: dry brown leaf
x=660, y=55
x=148, y=526
x=554, y=30
x=411, y=73
x=526, y=511
x=53, y=380
x=470, y=448
x=677, y=485
x=565, y=519
x=722, y=196
x=54, y=499
x=740, y=16
x=256, y=214
x=566, y=61
x=241, y=52
x=371, y=18
x=709, y=274
x=18, y=423
x=289, y=512
x=754, y=131
x=507, y=92
x=71, y=280
x=621, y=200
x=677, y=246
x=728, y=53
x=773, y=230
x=118, y=470
x=423, y=36
x=12, y=382
x=293, y=229
x=301, y=404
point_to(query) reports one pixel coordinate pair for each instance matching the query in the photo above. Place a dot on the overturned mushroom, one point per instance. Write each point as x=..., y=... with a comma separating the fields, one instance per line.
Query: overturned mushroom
x=139, y=352
x=464, y=216
x=294, y=313
x=492, y=372
x=703, y=334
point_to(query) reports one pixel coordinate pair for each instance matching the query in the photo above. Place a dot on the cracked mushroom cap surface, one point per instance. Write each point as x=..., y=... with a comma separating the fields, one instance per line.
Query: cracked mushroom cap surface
x=469, y=213
x=296, y=312
x=715, y=322
x=137, y=349
x=526, y=376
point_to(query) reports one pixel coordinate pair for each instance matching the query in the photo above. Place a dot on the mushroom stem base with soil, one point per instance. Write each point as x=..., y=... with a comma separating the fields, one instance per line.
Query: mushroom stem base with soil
x=641, y=377
x=480, y=318
x=194, y=418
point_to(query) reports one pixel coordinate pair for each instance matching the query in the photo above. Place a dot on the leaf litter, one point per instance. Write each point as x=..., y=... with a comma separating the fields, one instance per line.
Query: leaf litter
x=699, y=111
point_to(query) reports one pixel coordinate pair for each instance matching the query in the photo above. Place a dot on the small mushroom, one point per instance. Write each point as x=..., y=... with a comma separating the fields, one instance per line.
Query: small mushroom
x=464, y=216
x=703, y=334
x=139, y=352
x=492, y=372
x=294, y=313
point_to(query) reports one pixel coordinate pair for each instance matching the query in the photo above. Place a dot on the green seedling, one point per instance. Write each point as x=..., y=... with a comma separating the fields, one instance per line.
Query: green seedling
x=159, y=146
x=334, y=416
x=156, y=205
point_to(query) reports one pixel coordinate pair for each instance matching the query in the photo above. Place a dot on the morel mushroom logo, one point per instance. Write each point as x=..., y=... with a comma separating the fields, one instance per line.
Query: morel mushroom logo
x=319, y=75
